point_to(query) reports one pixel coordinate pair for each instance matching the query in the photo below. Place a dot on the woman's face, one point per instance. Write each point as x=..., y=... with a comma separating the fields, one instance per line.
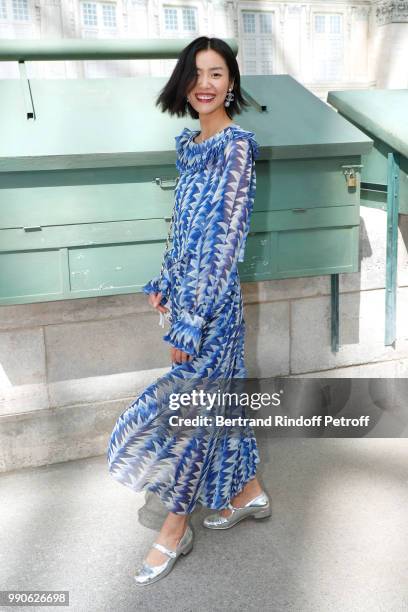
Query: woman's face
x=212, y=79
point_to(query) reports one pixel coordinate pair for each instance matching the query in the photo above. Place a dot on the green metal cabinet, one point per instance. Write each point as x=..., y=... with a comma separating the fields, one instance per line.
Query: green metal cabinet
x=87, y=178
x=305, y=220
x=382, y=115
x=81, y=232
x=306, y=217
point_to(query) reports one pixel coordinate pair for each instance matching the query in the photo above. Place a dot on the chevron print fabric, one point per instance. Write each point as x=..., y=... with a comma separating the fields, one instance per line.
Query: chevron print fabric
x=200, y=285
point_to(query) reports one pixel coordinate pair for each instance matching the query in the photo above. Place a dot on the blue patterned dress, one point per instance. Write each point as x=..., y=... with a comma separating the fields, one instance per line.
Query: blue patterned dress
x=200, y=285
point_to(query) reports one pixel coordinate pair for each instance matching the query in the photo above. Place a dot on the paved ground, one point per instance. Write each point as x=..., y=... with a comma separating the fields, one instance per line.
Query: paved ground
x=337, y=540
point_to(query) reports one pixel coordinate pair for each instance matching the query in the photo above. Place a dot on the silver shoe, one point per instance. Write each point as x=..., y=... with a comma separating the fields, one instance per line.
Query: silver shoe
x=257, y=508
x=147, y=574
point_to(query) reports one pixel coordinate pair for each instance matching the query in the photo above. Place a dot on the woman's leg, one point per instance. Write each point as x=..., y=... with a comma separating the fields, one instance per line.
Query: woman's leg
x=250, y=490
x=170, y=534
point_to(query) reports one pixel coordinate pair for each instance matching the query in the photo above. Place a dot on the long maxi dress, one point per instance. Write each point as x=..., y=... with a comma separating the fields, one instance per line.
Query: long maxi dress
x=200, y=285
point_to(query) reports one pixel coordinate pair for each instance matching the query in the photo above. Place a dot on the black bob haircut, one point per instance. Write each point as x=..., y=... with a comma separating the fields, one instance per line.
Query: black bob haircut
x=173, y=97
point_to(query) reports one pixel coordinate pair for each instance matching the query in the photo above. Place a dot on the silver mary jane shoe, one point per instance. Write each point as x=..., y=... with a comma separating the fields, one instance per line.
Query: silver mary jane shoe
x=147, y=574
x=257, y=508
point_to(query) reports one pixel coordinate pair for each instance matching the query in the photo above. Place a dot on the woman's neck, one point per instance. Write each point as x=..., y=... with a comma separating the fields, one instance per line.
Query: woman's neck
x=210, y=128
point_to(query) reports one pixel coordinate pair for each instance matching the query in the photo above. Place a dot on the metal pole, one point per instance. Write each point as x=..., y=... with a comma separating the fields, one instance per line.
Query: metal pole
x=334, y=312
x=392, y=247
x=81, y=49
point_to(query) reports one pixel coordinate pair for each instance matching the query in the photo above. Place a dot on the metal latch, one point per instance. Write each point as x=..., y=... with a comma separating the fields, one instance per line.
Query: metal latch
x=350, y=174
x=162, y=182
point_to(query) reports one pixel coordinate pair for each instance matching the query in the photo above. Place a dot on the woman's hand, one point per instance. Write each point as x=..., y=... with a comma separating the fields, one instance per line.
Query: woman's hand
x=177, y=355
x=155, y=299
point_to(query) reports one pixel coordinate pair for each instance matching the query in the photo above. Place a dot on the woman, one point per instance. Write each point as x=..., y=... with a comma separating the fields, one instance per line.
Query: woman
x=213, y=203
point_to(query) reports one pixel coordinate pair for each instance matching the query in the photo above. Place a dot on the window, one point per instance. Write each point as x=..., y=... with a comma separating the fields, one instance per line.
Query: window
x=189, y=23
x=265, y=22
x=257, y=39
x=20, y=10
x=248, y=20
x=14, y=10
x=170, y=19
x=98, y=16
x=319, y=24
x=89, y=16
x=328, y=47
x=180, y=19
x=3, y=10
x=109, y=15
x=335, y=24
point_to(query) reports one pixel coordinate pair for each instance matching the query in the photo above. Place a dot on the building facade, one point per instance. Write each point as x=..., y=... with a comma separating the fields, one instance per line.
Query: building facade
x=321, y=44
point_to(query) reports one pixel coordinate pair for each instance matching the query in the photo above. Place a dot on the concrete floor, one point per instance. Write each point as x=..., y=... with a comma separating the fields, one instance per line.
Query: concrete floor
x=337, y=539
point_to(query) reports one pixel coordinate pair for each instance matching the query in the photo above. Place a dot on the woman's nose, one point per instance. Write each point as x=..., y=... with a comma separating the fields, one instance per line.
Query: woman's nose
x=203, y=82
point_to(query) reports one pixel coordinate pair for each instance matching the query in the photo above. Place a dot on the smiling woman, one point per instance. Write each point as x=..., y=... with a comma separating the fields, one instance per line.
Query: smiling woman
x=200, y=283
x=208, y=95
x=205, y=66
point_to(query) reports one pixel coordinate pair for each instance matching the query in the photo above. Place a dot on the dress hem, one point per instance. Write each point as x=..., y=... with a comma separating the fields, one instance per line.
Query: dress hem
x=148, y=487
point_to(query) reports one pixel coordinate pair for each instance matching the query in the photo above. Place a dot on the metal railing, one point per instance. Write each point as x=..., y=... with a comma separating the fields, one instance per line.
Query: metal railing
x=101, y=49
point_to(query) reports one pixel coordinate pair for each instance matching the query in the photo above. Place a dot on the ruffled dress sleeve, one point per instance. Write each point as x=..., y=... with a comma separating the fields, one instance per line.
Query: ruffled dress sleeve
x=214, y=258
x=157, y=284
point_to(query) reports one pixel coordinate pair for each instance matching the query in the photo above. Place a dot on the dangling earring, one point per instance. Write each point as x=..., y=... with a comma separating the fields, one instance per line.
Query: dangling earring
x=229, y=98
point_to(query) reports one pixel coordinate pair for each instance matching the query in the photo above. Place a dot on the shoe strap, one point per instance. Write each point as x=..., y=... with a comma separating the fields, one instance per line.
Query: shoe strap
x=163, y=549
